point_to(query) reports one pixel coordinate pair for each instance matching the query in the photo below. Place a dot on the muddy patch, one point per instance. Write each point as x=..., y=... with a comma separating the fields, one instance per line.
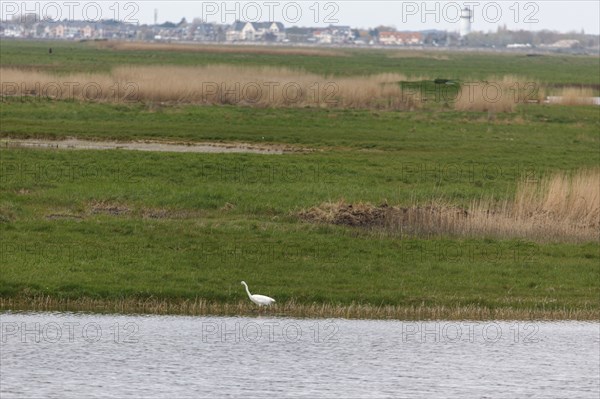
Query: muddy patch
x=155, y=146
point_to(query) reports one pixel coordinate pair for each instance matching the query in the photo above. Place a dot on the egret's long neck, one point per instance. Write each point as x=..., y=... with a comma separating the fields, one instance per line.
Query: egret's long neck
x=248, y=291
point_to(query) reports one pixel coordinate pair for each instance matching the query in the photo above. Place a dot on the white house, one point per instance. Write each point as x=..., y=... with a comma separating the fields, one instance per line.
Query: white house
x=391, y=38
x=256, y=31
x=333, y=34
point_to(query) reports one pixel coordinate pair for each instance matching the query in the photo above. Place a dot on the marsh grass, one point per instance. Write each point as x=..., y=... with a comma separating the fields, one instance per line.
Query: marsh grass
x=72, y=56
x=200, y=307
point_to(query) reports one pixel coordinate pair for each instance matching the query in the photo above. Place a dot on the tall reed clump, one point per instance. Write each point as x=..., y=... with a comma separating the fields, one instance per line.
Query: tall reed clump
x=570, y=200
x=216, y=84
x=573, y=96
x=498, y=94
x=559, y=208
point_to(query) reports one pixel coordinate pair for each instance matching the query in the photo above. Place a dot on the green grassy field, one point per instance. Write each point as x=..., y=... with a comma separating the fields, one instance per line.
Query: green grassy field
x=120, y=224
x=88, y=57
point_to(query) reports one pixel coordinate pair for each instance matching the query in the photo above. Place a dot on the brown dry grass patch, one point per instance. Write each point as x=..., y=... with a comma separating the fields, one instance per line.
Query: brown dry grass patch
x=200, y=307
x=559, y=208
x=215, y=84
x=499, y=94
x=574, y=96
x=218, y=49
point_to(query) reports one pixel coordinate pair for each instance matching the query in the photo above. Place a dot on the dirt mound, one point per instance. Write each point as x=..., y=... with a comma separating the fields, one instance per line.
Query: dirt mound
x=341, y=213
x=383, y=215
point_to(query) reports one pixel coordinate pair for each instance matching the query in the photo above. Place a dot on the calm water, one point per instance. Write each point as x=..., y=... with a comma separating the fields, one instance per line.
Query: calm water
x=66, y=355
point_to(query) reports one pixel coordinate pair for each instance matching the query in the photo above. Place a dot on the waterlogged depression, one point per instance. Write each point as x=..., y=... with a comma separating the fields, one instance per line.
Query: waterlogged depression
x=62, y=355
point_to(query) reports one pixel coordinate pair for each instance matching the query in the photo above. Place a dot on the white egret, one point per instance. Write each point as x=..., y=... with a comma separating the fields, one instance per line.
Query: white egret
x=260, y=300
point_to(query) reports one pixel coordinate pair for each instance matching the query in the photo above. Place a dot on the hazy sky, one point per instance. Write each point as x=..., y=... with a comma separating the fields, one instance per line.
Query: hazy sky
x=563, y=16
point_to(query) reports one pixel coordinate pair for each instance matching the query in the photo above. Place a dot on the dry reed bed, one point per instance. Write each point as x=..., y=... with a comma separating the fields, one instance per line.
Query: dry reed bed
x=272, y=87
x=557, y=208
x=499, y=94
x=573, y=96
x=199, y=306
x=216, y=84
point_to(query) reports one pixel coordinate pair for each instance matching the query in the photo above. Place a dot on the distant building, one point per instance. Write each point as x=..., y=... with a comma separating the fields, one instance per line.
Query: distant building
x=333, y=34
x=297, y=34
x=272, y=31
x=465, y=21
x=74, y=30
x=11, y=30
x=256, y=31
x=390, y=38
x=203, y=32
x=323, y=36
x=240, y=31
x=341, y=34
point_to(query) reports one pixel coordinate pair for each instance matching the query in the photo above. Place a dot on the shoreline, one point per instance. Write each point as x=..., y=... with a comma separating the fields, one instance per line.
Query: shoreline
x=202, y=307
